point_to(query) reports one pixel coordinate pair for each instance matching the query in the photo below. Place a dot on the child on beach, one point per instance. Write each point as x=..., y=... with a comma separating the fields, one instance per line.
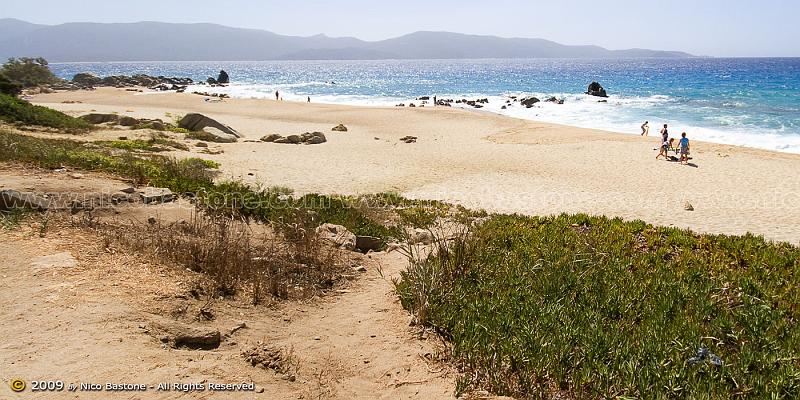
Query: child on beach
x=645, y=128
x=684, y=146
x=664, y=143
x=662, y=151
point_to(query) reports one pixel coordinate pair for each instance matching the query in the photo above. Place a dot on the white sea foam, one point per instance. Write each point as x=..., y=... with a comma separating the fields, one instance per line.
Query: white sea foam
x=617, y=114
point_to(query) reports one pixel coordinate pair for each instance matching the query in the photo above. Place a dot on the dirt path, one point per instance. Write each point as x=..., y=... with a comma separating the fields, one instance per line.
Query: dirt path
x=77, y=311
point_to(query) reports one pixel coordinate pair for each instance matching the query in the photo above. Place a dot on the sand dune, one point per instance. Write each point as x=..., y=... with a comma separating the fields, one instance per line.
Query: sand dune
x=488, y=161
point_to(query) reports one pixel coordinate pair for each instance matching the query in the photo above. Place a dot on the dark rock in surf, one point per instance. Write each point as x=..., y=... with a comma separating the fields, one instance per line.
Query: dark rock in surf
x=86, y=79
x=223, y=78
x=529, y=101
x=595, y=89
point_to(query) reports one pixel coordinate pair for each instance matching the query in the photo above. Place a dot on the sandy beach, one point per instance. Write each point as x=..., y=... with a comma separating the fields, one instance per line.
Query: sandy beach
x=481, y=160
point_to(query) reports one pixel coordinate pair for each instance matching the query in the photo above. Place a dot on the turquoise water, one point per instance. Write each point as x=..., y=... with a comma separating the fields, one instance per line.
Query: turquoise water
x=748, y=102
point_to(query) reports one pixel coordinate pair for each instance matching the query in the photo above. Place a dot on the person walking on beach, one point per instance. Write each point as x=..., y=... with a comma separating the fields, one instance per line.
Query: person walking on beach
x=309, y=99
x=276, y=95
x=684, y=146
x=645, y=128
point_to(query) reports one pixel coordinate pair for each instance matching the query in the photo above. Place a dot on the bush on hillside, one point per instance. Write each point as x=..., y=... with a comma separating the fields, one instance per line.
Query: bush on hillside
x=14, y=110
x=28, y=72
x=576, y=306
x=8, y=87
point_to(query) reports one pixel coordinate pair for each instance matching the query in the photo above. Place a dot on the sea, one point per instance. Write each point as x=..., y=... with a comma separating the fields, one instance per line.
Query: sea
x=751, y=102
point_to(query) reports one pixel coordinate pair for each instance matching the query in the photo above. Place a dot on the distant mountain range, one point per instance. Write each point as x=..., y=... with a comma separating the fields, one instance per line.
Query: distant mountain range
x=158, y=41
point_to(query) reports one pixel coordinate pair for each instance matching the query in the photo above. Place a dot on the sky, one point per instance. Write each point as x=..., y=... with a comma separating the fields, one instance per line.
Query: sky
x=735, y=28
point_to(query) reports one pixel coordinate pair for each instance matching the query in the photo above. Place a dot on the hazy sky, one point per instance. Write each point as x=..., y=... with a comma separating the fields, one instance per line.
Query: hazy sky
x=701, y=27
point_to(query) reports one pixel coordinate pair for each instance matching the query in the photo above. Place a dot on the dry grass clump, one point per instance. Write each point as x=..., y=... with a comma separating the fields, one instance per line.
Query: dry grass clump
x=280, y=260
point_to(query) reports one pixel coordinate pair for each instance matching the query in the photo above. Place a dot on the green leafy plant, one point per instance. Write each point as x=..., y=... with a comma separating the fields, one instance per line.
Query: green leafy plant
x=8, y=87
x=15, y=110
x=28, y=72
x=577, y=306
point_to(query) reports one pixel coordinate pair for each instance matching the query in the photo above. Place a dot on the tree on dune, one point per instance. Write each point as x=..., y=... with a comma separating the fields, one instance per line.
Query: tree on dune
x=27, y=72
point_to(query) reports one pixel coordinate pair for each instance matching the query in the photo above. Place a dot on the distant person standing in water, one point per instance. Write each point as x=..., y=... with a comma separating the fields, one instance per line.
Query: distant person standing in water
x=645, y=128
x=434, y=101
x=276, y=96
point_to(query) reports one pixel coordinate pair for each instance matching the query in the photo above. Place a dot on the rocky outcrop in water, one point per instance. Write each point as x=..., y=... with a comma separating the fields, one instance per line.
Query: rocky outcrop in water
x=473, y=103
x=87, y=80
x=528, y=102
x=554, y=99
x=595, y=89
x=223, y=78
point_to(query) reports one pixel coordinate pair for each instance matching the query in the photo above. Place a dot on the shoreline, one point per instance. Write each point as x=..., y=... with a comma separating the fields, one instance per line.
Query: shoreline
x=484, y=160
x=676, y=126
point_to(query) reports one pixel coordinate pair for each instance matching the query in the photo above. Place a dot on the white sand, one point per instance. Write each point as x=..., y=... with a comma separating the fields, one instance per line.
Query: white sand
x=488, y=161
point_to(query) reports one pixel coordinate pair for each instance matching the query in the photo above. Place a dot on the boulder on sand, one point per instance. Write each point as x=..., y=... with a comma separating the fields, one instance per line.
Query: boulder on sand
x=270, y=138
x=100, y=118
x=306, y=138
x=339, y=128
x=368, y=243
x=294, y=139
x=595, y=89
x=315, y=140
x=196, y=122
x=211, y=134
x=128, y=121
x=156, y=195
x=338, y=235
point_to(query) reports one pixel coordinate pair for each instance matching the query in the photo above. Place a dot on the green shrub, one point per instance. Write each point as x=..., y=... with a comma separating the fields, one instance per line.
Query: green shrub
x=15, y=110
x=28, y=72
x=194, y=162
x=576, y=306
x=175, y=129
x=151, y=144
x=8, y=87
x=137, y=144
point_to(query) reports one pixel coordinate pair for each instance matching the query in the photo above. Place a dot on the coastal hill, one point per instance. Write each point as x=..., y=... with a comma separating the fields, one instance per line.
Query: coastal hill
x=157, y=41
